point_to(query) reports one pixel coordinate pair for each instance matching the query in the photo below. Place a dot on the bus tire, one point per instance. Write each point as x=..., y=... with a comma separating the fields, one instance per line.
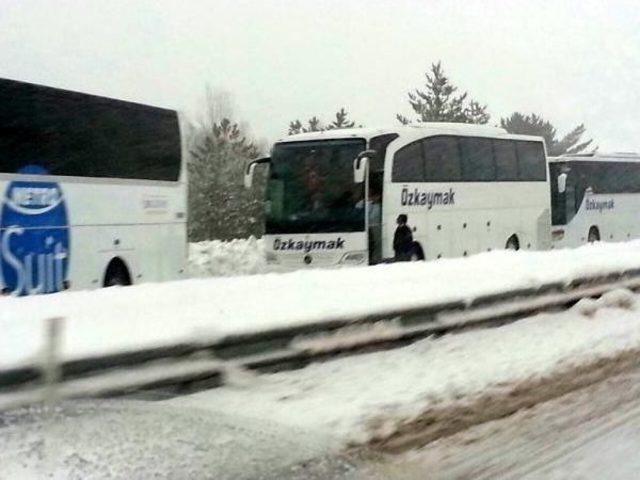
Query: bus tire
x=594, y=235
x=117, y=274
x=513, y=243
x=417, y=254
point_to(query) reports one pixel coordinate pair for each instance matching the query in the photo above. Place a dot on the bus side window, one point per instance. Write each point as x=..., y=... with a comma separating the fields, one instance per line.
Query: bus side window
x=477, y=159
x=506, y=160
x=442, y=159
x=531, y=161
x=408, y=165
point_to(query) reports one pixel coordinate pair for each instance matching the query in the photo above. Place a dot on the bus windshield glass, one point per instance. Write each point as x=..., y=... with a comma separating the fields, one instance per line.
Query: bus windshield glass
x=311, y=189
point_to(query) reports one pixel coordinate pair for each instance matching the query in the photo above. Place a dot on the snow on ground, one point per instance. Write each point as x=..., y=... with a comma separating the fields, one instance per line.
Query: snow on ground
x=357, y=398
x=216, y=258
x=591, y=433
x=120, y=319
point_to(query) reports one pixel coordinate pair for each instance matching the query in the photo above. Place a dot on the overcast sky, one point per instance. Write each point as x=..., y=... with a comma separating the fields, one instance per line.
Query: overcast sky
x=573, y=61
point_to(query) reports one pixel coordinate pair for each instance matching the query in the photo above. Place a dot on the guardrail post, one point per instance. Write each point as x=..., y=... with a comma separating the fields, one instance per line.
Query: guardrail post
x=50, y=365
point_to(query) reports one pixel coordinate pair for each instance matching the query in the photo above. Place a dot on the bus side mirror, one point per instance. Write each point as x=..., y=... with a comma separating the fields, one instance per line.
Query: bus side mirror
x=562, y=183
x=360, y=165
x=249, y=171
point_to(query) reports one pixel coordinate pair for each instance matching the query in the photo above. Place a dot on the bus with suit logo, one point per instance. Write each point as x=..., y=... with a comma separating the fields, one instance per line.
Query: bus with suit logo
x=594, y=196
x=93, y=191
x=333, y=197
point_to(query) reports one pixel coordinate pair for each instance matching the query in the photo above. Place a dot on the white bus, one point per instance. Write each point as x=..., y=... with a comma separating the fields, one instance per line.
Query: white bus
x=92, y=191
x=333, y=197
x=594, y=197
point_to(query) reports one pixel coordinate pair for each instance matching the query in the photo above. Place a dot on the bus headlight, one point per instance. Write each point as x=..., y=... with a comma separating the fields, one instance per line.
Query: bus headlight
x=271, y=257
x=557, y=234
x=354, y=258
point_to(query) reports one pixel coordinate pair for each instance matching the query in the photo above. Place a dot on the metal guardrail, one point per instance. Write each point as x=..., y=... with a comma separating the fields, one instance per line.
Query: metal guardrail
x=200, y=365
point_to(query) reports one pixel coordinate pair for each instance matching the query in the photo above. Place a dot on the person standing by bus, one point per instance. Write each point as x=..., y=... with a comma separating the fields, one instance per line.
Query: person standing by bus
x=402, y=240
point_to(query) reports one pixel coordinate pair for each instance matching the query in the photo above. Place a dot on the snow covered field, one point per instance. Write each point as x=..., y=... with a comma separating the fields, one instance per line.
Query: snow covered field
x=215, y=258
x=121, y=319
x=368, y=397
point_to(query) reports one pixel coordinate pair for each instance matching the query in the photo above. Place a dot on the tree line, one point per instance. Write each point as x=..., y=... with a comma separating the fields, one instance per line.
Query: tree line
x=220, y=148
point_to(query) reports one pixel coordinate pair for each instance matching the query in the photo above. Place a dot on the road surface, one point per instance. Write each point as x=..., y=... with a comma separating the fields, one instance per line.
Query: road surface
x=592, y=433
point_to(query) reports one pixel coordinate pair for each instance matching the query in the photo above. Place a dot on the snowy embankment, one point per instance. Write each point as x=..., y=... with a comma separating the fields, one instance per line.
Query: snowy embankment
x=123, y=319
x=215, y=258
x=437, y=385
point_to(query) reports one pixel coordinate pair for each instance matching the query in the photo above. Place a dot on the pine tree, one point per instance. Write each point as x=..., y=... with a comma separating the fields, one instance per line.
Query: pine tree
x=315, y=125
x=439, y=102
x=341, y=121
x=295, y=127
x=227, y=132
x=220, y=148
x=536, y=125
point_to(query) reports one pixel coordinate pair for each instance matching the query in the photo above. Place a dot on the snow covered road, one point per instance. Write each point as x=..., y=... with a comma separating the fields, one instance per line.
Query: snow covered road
x=593, y=433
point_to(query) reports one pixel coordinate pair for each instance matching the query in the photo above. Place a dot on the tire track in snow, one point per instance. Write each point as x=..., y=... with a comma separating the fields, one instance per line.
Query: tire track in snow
x=499, y=402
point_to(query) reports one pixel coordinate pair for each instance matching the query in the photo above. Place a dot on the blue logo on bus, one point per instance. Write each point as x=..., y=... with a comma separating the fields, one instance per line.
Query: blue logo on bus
x=34, y=236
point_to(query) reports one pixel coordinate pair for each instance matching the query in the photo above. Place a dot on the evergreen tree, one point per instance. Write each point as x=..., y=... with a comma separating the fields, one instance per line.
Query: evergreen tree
x=219, y=205
x=440, y=103
x=315, y=125
x=533, y=124
x=295, y=127
x=341, y=121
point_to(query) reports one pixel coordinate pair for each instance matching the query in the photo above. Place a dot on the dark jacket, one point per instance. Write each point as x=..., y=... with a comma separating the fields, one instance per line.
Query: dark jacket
x=402, y=242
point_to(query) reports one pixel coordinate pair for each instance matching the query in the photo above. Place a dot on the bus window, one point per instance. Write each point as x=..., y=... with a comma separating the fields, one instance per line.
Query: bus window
x=380, y=144
x=70, y=134
x=531, y=162
x=506, y=160
x=477, y=159
x=408, y=165
x=442, y=159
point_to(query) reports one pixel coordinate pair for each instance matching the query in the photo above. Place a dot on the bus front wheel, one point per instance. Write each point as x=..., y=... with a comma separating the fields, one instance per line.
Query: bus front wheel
x=513, y=243
x=117, y=274
x=594, y=235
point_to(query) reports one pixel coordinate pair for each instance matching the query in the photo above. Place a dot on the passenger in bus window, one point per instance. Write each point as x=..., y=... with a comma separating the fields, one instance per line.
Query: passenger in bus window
x=402, y=239
x=313, y=182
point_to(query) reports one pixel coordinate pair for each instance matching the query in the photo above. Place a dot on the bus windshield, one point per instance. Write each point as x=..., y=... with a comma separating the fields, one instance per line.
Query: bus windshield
x=311, y=188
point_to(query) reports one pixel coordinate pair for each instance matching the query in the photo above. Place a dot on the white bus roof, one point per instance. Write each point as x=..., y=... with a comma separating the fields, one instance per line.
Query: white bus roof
x=597, y=157
x=410, y=132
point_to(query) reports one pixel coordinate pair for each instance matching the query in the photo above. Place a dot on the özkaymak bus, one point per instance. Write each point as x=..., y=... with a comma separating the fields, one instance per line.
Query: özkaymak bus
x=333, y=197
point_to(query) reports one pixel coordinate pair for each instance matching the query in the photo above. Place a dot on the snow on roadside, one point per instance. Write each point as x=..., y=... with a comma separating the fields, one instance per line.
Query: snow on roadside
x=357, y=398
x=216, y=258
x=149, y=315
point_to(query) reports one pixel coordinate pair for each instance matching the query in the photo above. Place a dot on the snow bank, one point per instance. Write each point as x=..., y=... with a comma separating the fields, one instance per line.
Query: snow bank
x=216, y=258
x=370, y=396
x=120, y=319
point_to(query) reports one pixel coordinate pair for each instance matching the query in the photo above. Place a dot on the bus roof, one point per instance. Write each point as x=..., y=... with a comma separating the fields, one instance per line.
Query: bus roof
x=597, y=157
x=409, y=132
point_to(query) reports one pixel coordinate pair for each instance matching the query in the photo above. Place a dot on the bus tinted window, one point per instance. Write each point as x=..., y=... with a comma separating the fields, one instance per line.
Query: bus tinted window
x=531, y=161
x=408, y=165
x=72, y=134
x=442, y=159
x=477, y=159
x=601, y=177
x=380, y=144
x=506, y=160
x=618, y=177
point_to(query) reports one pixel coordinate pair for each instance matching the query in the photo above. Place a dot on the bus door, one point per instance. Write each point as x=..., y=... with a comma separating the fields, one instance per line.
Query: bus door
x=374, y=202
